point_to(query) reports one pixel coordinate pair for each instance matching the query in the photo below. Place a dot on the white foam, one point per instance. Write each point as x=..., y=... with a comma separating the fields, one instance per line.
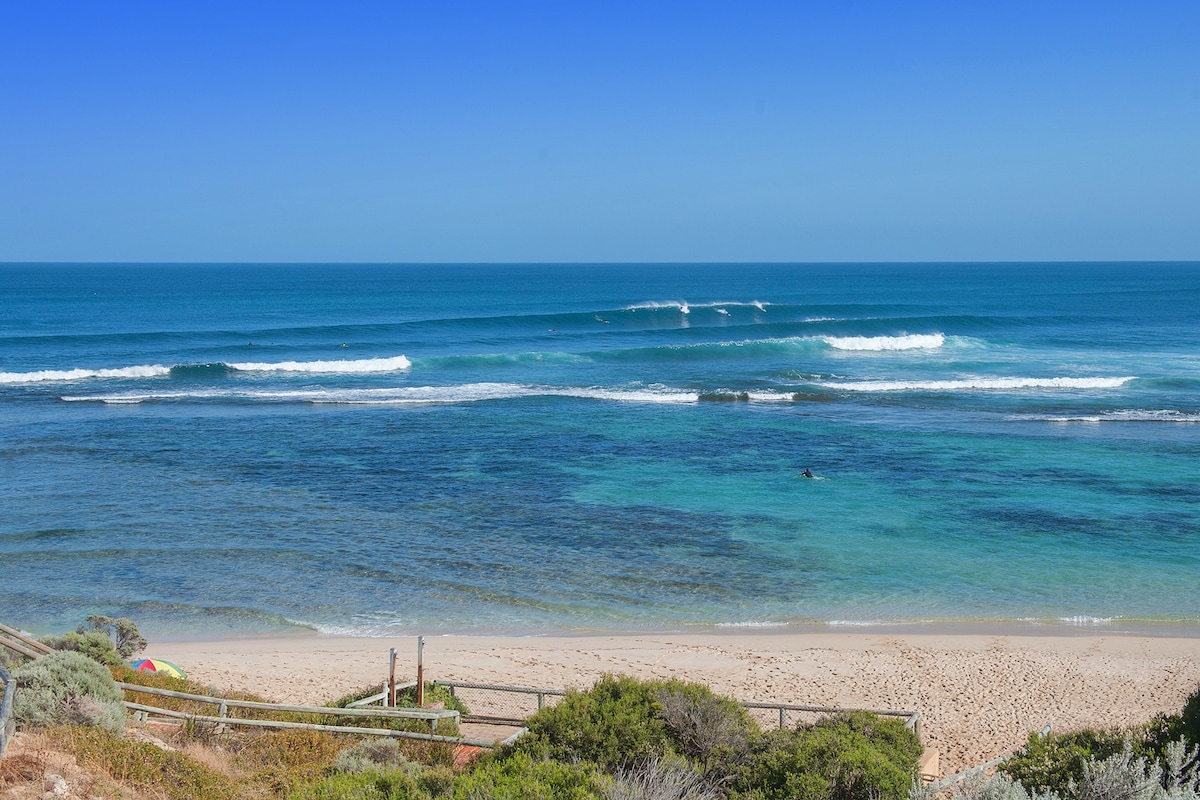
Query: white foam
x=1084, y=621
x=147, y=371
x=655, y=394
x=1130, y=415
x=349, y=367
x=978, y=384
x=916, y=341
x=750, y=623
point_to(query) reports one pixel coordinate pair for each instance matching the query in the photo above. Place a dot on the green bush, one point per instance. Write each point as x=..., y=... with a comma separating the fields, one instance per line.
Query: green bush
x=616, y=724
x=93, y=644
x=622, y=723
x=523, y=777
x=371, y=755
x=1121, y=776
x=852, y=756
x=1190, y=719
x=67, y=688
x=104, y=639
x=715, y=731
x=1056, y=761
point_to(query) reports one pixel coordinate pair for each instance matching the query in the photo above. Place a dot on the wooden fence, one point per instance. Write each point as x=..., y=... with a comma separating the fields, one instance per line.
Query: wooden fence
x=521, y=699
x=18, y=642
x=223, y=717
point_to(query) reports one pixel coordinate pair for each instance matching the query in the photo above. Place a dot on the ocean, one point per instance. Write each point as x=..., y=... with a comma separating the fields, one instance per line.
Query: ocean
x=505, y=448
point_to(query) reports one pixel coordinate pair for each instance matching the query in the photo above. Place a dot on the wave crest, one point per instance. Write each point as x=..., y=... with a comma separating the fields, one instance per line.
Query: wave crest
x=145, y=371
x=979, y=384
x=345, y=367
x=916, y=341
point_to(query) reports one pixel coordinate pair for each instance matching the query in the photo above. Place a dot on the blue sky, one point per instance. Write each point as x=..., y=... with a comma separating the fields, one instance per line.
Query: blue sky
x=606, y=131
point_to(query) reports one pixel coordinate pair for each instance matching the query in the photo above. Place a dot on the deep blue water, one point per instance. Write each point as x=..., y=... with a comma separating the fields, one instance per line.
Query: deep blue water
x=370, y=448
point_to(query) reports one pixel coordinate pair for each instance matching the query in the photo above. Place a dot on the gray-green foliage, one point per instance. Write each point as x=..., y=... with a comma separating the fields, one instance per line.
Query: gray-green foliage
x=1122, y=776
x=93, y=644
x=67, y=688
x=661, y=779
x=371, y=755
x=104, y=639
x=121, y=630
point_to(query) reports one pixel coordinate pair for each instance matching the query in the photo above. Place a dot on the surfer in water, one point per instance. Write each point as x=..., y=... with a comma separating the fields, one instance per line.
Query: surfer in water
x=807, y=473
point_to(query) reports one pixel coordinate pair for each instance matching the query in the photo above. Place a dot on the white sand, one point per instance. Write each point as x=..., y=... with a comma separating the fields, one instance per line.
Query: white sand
x=978, y=695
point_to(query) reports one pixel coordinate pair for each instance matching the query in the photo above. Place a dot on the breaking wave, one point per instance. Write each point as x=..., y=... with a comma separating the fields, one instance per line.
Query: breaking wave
x=148, y=371
x=211, y=370
x=917, y=341
x=978, y=384
x=439, y=395
x=345, y=367
x=1130, y=415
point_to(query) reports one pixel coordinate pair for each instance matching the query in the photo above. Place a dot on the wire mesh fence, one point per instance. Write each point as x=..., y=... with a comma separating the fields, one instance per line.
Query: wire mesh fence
x=503, y=704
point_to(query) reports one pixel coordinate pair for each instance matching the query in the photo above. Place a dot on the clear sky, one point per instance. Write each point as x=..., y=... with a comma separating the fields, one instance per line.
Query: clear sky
x=599, y=131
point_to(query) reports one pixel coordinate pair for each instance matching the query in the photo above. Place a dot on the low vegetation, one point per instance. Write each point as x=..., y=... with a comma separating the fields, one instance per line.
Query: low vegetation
x=66, y=688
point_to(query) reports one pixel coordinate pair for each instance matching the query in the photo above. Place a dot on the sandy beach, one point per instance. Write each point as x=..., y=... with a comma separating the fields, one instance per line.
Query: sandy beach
x=978, y=695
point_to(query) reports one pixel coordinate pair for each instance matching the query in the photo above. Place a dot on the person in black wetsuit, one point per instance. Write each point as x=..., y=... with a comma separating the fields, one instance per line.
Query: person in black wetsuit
x=807, y=473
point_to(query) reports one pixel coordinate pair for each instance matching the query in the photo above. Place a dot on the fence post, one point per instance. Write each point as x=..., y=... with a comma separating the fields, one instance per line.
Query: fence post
x=782, y=718
x=391, y=684
x=420, y=672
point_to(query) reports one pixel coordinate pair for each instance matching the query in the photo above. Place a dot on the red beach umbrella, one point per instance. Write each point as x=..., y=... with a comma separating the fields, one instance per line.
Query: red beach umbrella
x=160, y=666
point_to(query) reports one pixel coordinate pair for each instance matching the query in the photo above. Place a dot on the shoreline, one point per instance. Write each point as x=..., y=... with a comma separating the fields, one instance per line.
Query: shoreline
x=979, y=694
x=1084, y=627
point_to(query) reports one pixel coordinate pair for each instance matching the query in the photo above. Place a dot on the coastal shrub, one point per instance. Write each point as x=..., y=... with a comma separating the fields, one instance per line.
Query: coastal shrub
x=67, y=688
x=370, y=755
x=104, y=639
x=362, y=786
x=1190, y=718
x=1121, y=776
x=121, y=630
x=713, y=730
x=1051, y=763
x=852, y=756
x=617, y=724
x=93, y=644
x=521, y=776
x=667, y=779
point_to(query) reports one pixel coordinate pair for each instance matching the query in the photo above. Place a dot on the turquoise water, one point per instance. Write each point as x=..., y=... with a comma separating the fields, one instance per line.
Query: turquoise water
x=387, y=449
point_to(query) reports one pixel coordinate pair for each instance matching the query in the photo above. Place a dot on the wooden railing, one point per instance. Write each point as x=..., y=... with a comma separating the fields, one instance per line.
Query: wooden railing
x=223, y=717
x=18, y=642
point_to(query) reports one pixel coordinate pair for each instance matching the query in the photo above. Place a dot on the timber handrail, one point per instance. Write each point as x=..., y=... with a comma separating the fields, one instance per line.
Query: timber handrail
x=312, y=726
x=429, y=714
x=29, y=642
x=18, y=642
